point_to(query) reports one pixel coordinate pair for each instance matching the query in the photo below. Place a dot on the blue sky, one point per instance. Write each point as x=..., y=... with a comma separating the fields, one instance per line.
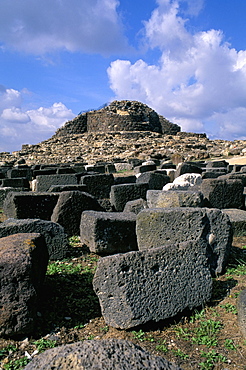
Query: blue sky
x=184, y=58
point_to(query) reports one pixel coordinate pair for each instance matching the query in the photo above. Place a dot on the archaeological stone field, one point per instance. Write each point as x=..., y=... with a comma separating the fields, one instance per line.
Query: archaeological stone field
x=159, y=206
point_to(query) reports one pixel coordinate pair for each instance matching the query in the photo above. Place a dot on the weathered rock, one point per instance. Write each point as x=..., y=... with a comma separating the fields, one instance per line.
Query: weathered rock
x=214, y=164
x=60, y=188
x=110, y=354
x=108, y=232
x=183, y=168
x=158, y=226
x=135, y=206
x=177, y=198
x=238, y=221
x=23, y=264
x=69, y=208
x=136, y=287
x=223, y=193
x=15, y=183
x=155, y=180
x=241, y=308
x=29, y=205
x=55, y=238
x=121, y=194
x=125, y=180
x=5, y=191
x=44, y=182
x=98, y=185
x=144, y=168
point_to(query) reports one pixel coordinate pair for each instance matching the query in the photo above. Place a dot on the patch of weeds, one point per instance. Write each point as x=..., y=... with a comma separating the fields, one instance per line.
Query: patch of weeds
x=206, y=333
x=79, y=326
x=139, y=335
x=63, y=267
x=211, y=359
x=229, y=308
x=16, y=364
x=162, y=347
x=197, y=315
x=229, y=344
x=43, y=344
x=7, y=351
x=105, y=329
x=74, y=241
x=183, y=333
x=179, y=353
x=244, y=247
x=238, y=270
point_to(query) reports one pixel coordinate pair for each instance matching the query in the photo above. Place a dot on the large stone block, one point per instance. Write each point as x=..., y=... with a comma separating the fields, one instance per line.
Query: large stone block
x=121, y=194
x=108, y=232
x=223, y=193
x=44, y=182
x=155, y=180
x=157, y=227
x=69, y=208
x=238, y=221
x=98, y=185
x=25, y=172
x=29, y=205
x=23, y=264
x=5, y=191
x=19, y=182
x=137, y=287
x=241, y=306
x=55, y=238
x=177, y=198
x=183, y=168
x=109, y=354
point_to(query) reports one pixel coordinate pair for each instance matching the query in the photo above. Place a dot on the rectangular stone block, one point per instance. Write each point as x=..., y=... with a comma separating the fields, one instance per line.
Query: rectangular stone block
x=108, y=232
x=121, y=194
x=29, y=205
x=45, y=181
x=137, y=287
x=157, y=227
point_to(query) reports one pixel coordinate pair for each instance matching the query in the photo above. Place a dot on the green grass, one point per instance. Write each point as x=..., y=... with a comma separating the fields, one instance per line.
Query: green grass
x=206, y=333
x=211, y=359
x=43, y=344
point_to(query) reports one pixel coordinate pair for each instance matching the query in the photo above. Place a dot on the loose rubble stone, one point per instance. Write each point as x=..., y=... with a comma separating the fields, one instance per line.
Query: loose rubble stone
x=241, y=307
x=177, y=198
x=69, y=208
x=5, y=191
x=136, y=287
x=158, y=226
x=155, y=180
x=23, y=264
x=135, y=206
x=238, y=221
x=29, y=205
x=44, y=182
x=121, y=194
x=55, y=238
x=98, y=185
x=108, y=232
x=223, y=193
x=111, y=354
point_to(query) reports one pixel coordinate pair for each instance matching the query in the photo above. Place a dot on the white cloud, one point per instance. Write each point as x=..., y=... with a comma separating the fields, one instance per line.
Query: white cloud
x=199, y=82
x=19, y=126
x=38, y=27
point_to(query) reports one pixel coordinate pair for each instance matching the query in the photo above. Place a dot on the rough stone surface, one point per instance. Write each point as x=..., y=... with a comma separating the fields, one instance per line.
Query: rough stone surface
x=121, y=194
x=183, y=168
x=137, y=287
x=23, y=264
x=177, y=198
x=108, y=232
x=158, y=226
x=44, y=182
x=29, y=205
x=223, y=193
x=241, y=308
x=60, y=188
x=5, y=191
x=135, y=206
x=238, y=221
x=55, y=238
x=98, y=185
x=111, y=354
x=155, y=180
x=124, y=115
x=69, y=208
